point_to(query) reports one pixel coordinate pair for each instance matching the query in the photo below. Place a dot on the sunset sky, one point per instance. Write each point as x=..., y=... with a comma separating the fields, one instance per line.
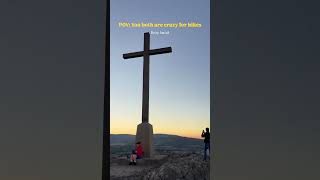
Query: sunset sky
x=179, y=81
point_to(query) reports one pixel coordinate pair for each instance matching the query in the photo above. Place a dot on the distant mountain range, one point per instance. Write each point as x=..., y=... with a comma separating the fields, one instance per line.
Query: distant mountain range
x=163, y=141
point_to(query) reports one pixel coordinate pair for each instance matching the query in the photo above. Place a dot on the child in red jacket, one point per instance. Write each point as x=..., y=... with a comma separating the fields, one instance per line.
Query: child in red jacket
x=136, y=154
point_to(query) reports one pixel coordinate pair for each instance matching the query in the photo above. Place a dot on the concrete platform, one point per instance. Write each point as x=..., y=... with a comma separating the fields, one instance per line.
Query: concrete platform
x=119, y=167
x=155, y=160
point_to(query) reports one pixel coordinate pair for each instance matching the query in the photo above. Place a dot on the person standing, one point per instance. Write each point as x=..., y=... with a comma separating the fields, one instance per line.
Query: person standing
x=206, y=136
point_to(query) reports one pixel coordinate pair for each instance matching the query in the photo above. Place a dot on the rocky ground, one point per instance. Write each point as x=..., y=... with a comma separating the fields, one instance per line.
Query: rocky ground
x=164, y=166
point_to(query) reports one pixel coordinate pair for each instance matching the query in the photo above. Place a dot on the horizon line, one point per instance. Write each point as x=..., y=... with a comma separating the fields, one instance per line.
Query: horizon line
x=159, y=134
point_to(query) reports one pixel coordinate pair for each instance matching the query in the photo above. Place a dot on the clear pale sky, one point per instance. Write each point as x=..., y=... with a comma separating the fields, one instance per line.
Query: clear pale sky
x=179, y=81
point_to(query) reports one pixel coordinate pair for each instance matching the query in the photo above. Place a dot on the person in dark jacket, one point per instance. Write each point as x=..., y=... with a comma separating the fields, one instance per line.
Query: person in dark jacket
x=206, y=136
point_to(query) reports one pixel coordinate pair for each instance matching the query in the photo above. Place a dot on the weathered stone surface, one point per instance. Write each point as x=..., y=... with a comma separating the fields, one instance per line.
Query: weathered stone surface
x=188, y=166
x=145, y=136
x=181, y=166
x=155, y=160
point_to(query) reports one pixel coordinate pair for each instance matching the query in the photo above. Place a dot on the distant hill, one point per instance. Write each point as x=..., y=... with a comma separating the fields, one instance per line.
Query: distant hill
x=124, y=142
x=121, y=139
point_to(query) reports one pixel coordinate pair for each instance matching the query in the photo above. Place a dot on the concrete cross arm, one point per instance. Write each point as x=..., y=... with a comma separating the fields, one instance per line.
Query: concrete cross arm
x=150, y=52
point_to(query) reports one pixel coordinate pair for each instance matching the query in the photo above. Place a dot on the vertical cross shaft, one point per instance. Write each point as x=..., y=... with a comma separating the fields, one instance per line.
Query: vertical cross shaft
x=146, y=71
x=145, y=130
x=146, y=75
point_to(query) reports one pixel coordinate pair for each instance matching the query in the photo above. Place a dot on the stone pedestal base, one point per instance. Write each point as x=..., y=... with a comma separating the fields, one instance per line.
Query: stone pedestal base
x=145, y=136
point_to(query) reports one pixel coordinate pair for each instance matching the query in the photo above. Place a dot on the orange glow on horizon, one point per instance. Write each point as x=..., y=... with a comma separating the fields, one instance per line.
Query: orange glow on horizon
x=181, y=126
x=195, y=135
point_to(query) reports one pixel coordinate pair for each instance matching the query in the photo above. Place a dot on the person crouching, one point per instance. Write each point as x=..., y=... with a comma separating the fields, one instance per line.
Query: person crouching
x=136, y=154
